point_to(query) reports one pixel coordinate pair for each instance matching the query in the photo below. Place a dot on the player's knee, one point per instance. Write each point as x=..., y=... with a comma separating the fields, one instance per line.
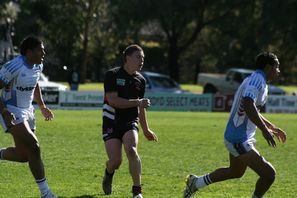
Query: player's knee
x=237, y=174
x=132, y=152
x=115, y=163
x=23, y=159
x=270, y=176
x=21, y=154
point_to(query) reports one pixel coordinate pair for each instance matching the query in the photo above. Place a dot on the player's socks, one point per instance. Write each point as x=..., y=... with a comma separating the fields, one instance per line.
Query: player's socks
x=1, y=151
x=109, y=174
x=254, y=196
x=43, y=186
x=107, y=182
x=203, y=181
x=136, y=190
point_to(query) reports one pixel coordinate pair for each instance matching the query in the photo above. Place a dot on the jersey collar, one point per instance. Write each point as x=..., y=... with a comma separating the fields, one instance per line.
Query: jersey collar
x=126, y=73
x=261, y=72
x=24, y=58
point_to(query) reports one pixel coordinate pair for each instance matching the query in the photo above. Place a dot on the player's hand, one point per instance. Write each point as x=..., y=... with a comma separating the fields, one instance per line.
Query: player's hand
x=144, y=103
x=150, y=135
x=47, y=114
x=268, y=135
x=8, y=118
x=280, y=134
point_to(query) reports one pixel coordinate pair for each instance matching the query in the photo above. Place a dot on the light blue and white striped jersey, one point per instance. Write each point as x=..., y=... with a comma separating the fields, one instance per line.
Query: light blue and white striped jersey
x=20, y=80
x=239, y=127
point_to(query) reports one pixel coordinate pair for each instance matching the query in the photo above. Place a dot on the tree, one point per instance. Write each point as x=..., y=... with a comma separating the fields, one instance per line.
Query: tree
x=70, y=29
x=180, y=22
x=8, y=15
x=278, y=23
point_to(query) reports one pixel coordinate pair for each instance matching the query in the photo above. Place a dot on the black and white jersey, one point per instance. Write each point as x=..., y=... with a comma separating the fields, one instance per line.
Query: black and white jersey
x=127, y=86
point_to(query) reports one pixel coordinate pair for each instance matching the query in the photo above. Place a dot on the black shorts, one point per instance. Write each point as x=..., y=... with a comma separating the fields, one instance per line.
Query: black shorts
x=111, y=130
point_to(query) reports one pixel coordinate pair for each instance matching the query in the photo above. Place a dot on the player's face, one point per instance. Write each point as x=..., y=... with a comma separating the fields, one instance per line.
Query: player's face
x=274, y=71
x=36, y=55
x=136, y=60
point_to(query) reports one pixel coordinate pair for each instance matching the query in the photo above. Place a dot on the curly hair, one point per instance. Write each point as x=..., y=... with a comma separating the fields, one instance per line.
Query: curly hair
x=29, y=43
x=266, y=58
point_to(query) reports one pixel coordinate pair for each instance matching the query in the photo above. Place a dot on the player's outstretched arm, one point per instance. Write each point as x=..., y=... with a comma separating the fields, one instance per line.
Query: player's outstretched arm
x=252, y=113
x=149, y=134
x=46, y=112
x=278, y=132
x=122, y=103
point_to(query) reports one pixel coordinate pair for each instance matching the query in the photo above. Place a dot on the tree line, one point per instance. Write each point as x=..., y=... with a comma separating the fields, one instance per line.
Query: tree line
x=180, y=38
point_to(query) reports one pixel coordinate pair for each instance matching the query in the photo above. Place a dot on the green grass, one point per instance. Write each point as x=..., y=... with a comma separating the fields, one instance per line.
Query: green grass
x=192, y=88
x=91, y=87
x=289, y=89
x=189, y=142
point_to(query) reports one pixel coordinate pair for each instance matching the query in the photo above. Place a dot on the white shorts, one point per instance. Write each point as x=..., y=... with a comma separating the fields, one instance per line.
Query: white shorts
x=237, y=149
x=21, y=115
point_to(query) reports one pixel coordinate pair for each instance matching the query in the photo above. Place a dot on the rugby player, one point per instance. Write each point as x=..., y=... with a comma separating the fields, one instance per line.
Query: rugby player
x=245, y=117
x=125, y=105
x=19, y=81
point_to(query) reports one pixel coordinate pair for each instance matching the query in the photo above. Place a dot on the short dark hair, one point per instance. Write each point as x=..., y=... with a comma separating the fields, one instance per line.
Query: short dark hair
x=29, y=43
x=130, y=50
x=266, y=58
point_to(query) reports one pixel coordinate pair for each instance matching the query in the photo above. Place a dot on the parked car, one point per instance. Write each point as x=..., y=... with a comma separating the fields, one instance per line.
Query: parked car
x=156, y=82
x=46, y=85
x=229, y=82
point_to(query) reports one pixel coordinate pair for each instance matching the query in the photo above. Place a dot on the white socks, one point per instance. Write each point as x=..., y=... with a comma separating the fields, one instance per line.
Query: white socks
x=43, y=187
x=203, y=181
x=1, y=151
x=254, y=196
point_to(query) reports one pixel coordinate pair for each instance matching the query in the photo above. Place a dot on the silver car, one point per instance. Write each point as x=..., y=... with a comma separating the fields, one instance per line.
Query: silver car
x=46, y=85
x=156, y=82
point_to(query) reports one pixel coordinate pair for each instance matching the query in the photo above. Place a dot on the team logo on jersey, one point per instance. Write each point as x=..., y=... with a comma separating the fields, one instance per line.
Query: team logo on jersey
x=25, y=88
x=240, y=116
x=23, y=75
x=121, y=82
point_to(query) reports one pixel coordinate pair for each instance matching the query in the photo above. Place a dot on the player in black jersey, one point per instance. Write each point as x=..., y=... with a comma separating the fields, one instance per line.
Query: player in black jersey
x=123, y=107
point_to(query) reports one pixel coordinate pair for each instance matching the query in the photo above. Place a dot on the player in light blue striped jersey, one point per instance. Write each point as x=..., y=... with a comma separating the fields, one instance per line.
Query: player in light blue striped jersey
x=19, y=81
x=245, y=117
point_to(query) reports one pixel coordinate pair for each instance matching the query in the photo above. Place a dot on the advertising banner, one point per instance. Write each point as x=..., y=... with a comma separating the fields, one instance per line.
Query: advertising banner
x=165, y=101
x=222, y=102
x=180, y=102
x=281, y=104
x=51, y=99
x=81, y=100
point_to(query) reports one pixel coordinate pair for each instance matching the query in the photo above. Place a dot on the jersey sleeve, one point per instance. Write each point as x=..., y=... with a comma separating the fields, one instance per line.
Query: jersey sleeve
x=253, y=88
x=110, y=82
x=9, y=70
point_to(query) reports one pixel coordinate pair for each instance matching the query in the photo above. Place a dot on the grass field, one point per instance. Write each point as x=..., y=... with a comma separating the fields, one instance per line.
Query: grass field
x=189, y=142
